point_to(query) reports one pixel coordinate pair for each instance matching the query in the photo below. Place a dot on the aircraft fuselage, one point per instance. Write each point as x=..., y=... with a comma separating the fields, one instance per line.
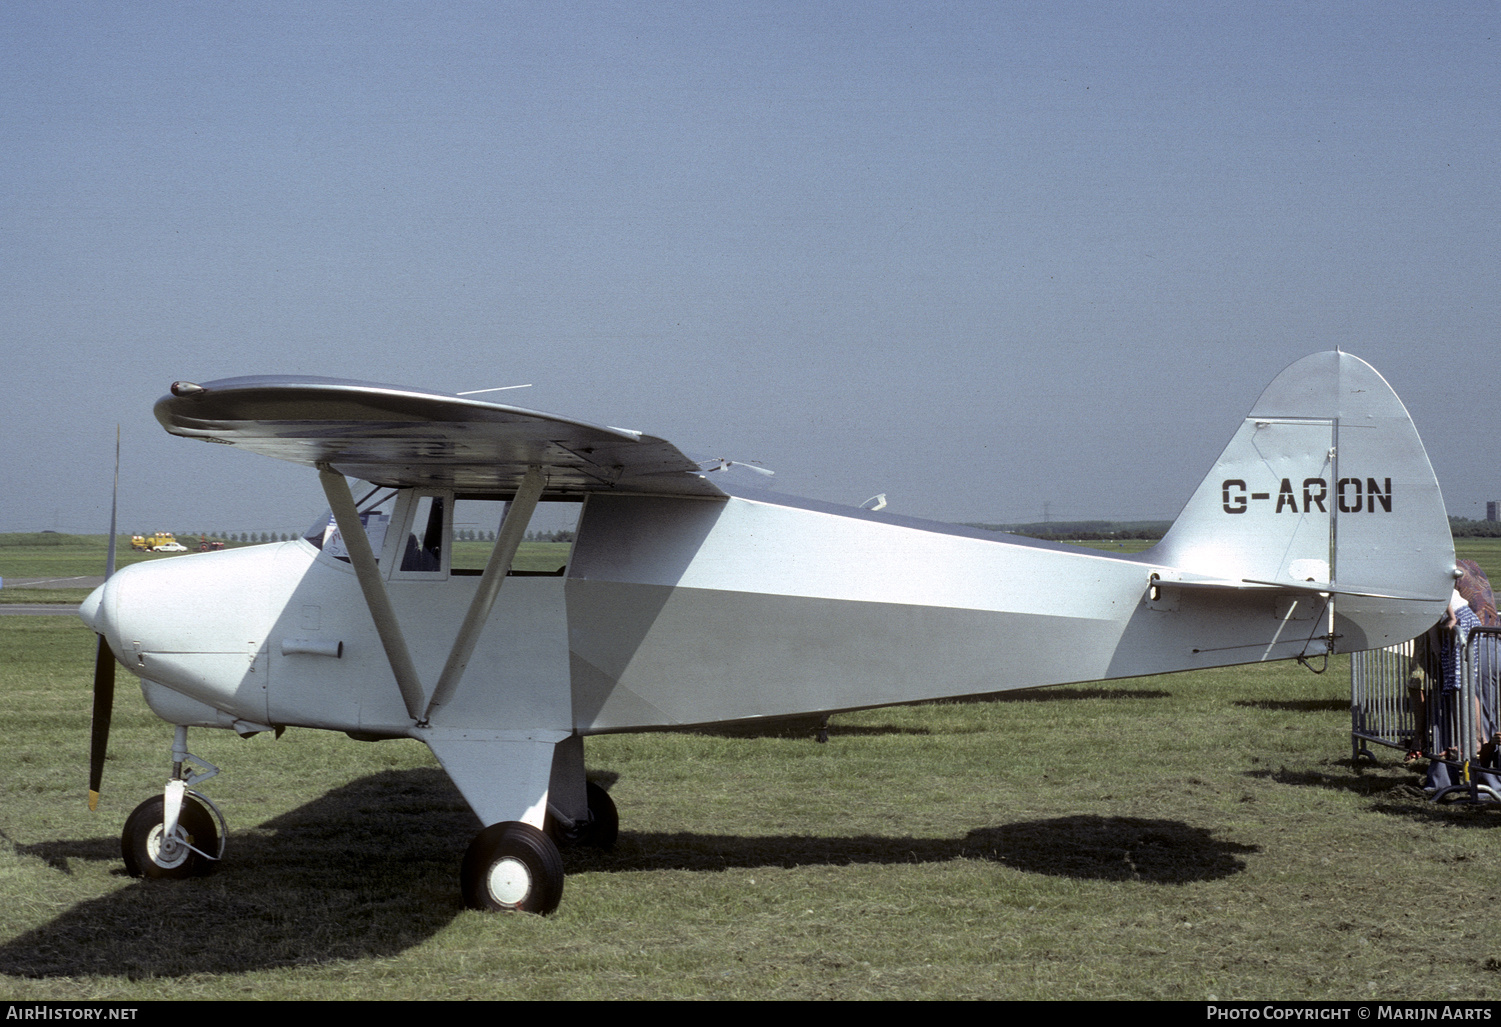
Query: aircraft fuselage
x=681, y=611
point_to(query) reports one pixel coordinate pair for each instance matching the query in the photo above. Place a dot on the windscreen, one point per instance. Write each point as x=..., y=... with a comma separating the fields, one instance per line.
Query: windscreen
x=374, y=504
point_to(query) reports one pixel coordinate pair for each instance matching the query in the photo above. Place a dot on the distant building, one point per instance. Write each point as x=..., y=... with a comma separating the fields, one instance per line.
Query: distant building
x=1493, y=510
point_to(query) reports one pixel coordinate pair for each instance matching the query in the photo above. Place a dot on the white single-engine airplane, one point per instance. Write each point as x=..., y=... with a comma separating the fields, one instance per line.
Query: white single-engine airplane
x=689, y=600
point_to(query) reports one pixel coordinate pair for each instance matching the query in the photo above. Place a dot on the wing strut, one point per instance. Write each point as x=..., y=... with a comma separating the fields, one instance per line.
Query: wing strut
x=341, y=502
x=512, y=529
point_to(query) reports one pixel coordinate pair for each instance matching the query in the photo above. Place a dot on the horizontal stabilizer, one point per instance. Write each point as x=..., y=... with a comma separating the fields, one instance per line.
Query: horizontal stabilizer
x=1310, y=587
x=1370, y=592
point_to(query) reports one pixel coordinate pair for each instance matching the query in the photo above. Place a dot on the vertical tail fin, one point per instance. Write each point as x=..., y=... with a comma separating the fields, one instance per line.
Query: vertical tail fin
x=1326, y=481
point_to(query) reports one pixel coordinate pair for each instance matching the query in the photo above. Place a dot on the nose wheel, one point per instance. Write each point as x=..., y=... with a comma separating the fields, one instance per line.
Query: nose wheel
x=190, y=850
x=174, y=835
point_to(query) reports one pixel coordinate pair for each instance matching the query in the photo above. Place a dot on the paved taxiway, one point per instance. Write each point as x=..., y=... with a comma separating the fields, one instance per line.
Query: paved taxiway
x=47, y=609
x=38, y=609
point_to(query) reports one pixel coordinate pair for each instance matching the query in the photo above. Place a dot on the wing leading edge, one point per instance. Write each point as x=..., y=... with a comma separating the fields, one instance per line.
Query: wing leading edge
x=405, y=438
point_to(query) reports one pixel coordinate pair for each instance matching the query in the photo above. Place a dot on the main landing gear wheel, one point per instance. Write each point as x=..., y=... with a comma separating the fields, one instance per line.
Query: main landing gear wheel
x=512, y=867
x=599, y=831
x=604, y=819
x=149, y=852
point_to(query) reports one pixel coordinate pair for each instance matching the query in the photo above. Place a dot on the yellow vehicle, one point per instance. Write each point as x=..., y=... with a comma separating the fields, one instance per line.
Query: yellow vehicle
x=161, y=542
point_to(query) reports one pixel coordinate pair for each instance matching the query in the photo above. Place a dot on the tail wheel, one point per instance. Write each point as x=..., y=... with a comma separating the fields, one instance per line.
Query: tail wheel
x=149, y=852
x=512, y=867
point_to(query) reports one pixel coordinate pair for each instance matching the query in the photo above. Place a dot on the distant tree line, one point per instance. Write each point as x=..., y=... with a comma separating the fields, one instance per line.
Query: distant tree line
x=190, y=538
x=1083, y=531
x=1463, y=527
x=472, y=535
x=566, y=535
x=44, y=538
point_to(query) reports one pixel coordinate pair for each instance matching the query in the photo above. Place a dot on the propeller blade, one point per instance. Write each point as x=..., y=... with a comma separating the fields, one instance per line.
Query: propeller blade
x=104, y=662
x=104, y=701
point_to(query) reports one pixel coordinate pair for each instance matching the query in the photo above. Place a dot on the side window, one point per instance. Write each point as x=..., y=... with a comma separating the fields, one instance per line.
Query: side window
x=475, y=522
x=549, y=536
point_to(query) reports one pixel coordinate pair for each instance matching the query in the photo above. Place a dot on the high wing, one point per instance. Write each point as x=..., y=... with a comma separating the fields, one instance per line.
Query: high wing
x=412, y=438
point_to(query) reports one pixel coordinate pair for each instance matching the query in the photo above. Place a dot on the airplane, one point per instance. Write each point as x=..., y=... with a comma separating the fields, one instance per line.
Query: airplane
x=690, y=599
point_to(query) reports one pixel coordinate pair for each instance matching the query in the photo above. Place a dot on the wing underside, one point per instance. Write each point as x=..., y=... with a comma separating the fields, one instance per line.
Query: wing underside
x=410, y=438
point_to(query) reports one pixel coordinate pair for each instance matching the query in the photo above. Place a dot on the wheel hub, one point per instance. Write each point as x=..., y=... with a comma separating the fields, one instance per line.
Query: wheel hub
x=509, y=881
x=167, y=852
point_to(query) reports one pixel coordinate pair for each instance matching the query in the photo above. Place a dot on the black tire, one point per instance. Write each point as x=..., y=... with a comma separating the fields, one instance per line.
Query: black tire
x=604, y=826
x=599, y=831
x=141, y=841
x=512, y=867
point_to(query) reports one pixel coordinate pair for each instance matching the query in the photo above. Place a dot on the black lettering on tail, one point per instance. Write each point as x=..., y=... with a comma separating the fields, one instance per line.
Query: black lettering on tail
x=1285, y=497
x=1346, y=505
x=1240, y=500
x=1314, y=499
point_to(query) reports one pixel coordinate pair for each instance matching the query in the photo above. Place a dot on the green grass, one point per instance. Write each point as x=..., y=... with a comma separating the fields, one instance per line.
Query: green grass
x=532, y=556
x=1175, y=837
x=60, y=596
x=1484, y=551
x=47, y=555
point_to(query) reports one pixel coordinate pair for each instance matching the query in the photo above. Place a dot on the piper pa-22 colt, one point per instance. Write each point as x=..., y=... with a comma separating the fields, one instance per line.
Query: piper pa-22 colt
x=689, y=600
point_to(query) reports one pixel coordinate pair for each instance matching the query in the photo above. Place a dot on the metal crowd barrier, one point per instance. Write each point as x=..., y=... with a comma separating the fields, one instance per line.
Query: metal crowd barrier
x=1403, y=697
x=1380, y=709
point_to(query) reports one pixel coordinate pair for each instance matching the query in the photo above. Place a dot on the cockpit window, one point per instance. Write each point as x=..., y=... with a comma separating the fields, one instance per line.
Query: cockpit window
x=374, y=506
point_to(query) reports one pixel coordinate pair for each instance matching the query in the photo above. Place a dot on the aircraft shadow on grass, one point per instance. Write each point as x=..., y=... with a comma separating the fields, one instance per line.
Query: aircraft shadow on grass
x=1296, y=705
x=1066, y=693
x=367, y=870
x=809, y=725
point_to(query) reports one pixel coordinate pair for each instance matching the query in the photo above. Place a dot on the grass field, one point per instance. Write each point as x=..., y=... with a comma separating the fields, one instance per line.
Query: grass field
x=40, y=555
x=1192, y=836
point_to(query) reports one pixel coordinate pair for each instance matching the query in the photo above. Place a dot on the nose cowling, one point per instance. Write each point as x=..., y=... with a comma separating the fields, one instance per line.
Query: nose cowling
x=211, y=602
x=196, y=626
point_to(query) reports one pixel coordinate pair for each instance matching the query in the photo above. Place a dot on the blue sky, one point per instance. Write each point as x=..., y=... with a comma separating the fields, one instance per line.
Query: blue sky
x=980, y=257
